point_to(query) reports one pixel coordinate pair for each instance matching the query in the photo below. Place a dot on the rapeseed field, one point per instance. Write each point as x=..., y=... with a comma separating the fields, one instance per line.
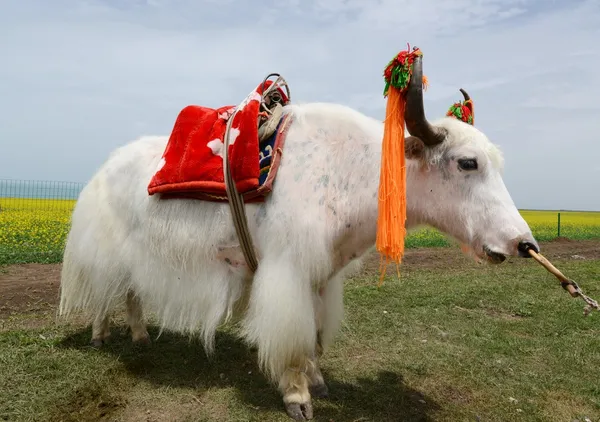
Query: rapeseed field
x=573, y=224
x=35, y=230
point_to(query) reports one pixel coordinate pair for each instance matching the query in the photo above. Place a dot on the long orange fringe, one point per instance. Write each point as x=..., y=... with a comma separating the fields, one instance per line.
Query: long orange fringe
x=391, y=220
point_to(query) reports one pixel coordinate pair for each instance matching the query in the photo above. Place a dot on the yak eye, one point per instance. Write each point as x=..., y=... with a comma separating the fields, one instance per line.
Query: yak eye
x=467, y=163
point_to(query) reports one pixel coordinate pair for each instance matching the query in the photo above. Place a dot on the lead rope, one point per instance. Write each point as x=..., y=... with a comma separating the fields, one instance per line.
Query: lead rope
x=567, y=284
x=236, y=206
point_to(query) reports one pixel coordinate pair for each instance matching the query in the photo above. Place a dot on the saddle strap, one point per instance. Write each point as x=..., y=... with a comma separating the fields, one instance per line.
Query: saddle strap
x=237, y=206
x=235, y=199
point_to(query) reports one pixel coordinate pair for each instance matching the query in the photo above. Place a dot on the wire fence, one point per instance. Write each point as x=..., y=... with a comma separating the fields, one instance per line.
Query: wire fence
x=38, y=195
x=35, y=220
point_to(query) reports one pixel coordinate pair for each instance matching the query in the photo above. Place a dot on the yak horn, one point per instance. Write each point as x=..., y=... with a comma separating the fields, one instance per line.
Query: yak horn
x=416, y=122
x=464, y=93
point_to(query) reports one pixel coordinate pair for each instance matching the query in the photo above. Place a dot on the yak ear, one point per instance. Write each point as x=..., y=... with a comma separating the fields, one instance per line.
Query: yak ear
x=413, y=148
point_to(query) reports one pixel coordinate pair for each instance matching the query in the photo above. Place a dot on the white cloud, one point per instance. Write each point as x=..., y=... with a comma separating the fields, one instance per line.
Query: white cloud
x=80, y=78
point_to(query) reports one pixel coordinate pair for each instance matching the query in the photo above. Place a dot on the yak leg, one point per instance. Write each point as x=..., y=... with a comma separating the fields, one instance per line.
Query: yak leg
x=280, y=321
x=135, y=319
x=318, y=388
x=100, y=330
x=329, y=310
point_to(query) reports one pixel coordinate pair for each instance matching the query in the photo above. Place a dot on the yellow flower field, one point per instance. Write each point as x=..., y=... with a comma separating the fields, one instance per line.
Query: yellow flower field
x=35, y=230
x=544, y=224
x=573, y=224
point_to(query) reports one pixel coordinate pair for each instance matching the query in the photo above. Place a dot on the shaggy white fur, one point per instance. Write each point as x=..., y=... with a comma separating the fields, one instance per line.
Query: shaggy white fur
x=170, y=255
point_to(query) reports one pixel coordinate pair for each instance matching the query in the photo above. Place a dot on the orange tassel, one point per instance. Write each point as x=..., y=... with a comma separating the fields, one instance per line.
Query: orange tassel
x=391, y=220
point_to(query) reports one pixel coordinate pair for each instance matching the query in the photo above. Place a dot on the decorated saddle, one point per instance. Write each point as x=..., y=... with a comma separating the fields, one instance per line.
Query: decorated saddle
x=192, y=163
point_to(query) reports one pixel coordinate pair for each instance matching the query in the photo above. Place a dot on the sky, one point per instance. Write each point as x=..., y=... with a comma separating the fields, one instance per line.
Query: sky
x=81, y=77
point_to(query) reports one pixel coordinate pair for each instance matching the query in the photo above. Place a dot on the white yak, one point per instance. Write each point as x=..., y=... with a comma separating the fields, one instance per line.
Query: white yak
x=179, y=258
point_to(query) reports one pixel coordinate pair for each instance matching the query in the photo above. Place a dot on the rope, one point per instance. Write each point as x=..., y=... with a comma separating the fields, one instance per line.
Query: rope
x=567, y=284
x=237, y=207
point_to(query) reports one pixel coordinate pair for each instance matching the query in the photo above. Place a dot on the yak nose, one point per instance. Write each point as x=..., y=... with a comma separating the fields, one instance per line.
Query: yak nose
x=524, y=247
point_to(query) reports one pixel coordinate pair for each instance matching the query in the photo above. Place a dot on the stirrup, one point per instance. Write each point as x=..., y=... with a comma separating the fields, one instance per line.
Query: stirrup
x=271, y=95
x=266, y=129
x=271, y=106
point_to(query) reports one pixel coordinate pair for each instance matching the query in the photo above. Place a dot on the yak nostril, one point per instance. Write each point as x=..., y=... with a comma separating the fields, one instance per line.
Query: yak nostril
x=525, y=246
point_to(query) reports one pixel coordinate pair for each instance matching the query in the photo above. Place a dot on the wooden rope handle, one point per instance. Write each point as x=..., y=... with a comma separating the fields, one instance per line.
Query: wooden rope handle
x=567, y=283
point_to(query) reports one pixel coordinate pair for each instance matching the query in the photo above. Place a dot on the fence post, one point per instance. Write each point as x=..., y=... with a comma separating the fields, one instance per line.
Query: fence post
x=559, y=224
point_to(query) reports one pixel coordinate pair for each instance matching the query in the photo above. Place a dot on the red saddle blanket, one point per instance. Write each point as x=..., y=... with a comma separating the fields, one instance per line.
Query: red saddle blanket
x=192, y=163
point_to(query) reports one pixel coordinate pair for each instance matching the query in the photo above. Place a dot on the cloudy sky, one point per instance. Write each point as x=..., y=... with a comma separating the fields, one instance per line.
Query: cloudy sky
x=81, y=77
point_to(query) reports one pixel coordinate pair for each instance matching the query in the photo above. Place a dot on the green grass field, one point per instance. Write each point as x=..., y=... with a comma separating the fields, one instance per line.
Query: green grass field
x=34, y=230
x=450, y=340
x=459, y=343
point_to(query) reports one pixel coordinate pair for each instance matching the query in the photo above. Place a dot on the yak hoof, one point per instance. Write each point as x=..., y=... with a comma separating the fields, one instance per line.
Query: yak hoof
x=319, y=391
x=97, y=343
x=300, y=411
x=143, y=341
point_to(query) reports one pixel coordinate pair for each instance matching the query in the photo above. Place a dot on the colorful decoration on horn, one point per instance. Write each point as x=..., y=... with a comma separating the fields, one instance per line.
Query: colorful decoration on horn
x=463, y=110
x=391, y=219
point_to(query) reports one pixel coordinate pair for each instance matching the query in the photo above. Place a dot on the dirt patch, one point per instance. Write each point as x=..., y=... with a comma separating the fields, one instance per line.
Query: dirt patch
x=28, y=288
x=563, y=248
x=494, y=313
x=33, y=288
x=563, y=406
x=455, y=395
x=454, y=258
x=89, y=403
x=174, y=408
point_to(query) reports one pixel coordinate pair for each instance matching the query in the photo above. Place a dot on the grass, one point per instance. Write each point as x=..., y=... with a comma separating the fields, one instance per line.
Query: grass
x=466, y=343
x=35, y=230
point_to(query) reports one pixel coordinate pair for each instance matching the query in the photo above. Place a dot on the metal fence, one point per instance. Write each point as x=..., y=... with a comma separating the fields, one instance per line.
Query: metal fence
x=35, y=219
x=37, y=194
